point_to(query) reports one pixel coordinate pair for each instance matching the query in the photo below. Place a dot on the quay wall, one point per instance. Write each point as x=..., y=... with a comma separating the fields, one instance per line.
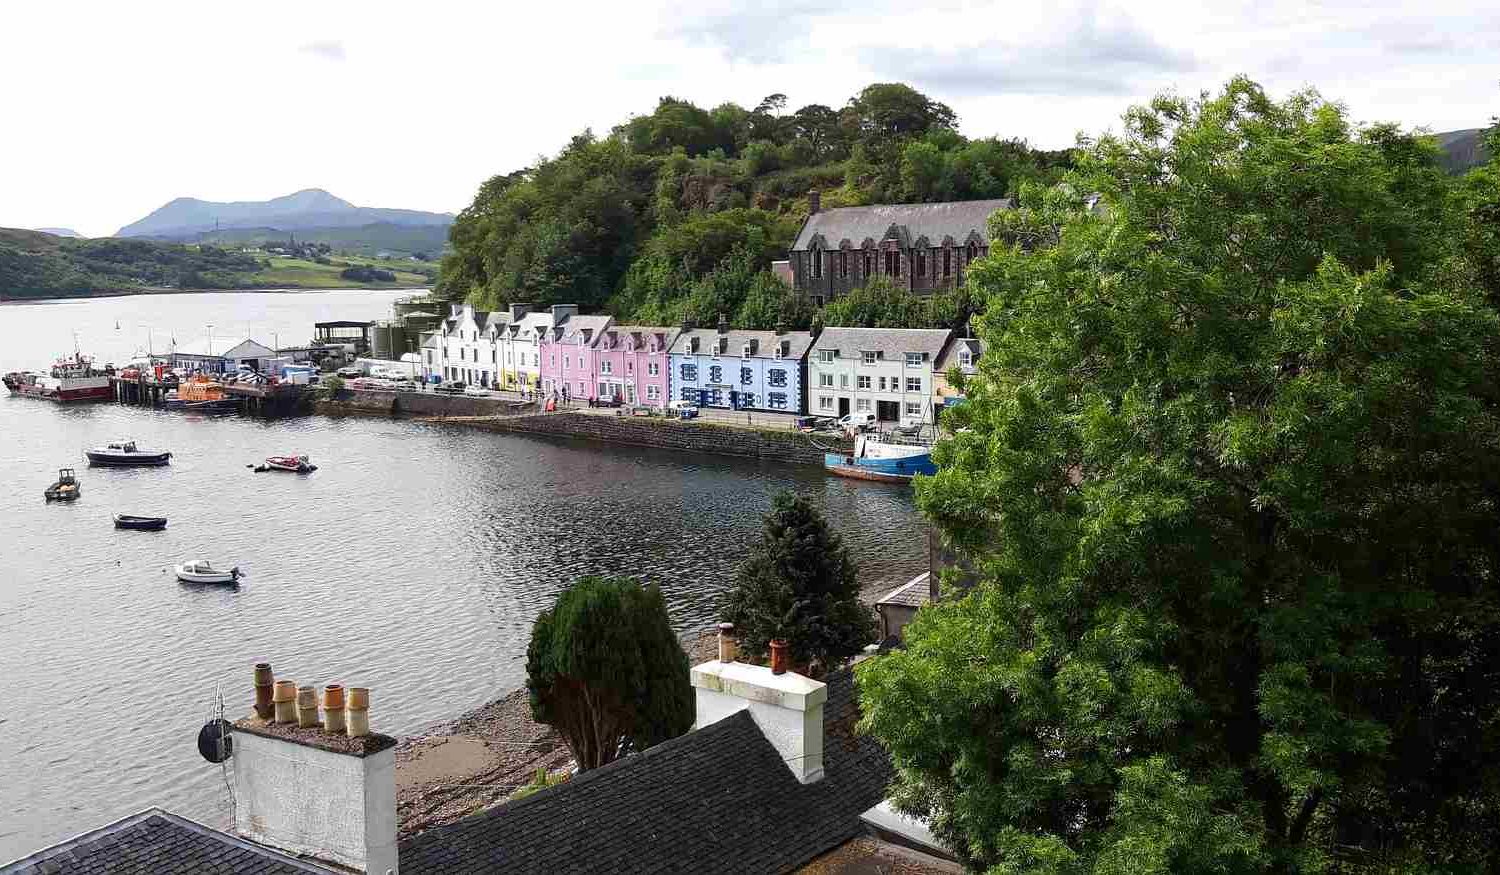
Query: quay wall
x=778, y=445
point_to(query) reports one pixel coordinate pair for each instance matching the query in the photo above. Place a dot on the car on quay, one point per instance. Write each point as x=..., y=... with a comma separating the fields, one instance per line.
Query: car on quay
x=349, y=373
x=857, y=421
x=682, y=408
x=456, y=387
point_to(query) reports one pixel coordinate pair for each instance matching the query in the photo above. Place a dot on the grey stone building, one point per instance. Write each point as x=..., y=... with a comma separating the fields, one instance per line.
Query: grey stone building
x=921, y=247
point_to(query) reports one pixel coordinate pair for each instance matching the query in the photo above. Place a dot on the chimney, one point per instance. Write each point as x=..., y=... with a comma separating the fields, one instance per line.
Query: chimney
x=687, y=325
x=519, y=310
x=562, y=312
x=723, y=324
x=780, y=327
x=814, y=202
x=315, y=791
x=787, y=707
x=456, y=308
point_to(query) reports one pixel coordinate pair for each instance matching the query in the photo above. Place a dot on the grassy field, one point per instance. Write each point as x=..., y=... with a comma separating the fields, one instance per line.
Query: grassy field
x=307, y=274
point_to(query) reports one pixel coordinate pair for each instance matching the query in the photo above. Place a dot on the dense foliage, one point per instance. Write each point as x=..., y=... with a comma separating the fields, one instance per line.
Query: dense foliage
x=881, y=303
x=638, y=220
x=605, y=670
x=799, y=584
x=363, y=273
x=1229, y=475
x=34, y=265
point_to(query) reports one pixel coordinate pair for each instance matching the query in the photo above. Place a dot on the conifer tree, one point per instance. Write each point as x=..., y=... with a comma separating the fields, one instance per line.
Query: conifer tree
x=799, y=584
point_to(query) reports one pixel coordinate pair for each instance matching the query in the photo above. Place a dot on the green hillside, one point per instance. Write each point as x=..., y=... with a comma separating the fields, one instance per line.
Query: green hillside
x=37, y=265
x=366, y=240
x=678, y=213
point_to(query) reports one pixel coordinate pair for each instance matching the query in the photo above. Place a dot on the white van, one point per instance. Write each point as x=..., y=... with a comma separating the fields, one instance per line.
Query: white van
x=859, y=421
x=683, y=408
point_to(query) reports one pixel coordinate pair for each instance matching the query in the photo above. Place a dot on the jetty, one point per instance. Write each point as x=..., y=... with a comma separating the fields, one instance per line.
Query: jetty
x=280, y=399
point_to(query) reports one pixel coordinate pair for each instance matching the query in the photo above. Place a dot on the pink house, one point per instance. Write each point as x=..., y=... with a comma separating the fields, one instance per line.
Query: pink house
x=567, y=357
x=633, y=364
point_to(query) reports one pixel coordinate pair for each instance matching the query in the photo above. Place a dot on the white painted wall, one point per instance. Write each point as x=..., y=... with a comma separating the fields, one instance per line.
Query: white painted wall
x=788, y=708
x=306, y=800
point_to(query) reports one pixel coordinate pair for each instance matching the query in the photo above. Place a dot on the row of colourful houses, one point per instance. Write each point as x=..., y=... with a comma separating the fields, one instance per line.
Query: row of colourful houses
x=896, y=374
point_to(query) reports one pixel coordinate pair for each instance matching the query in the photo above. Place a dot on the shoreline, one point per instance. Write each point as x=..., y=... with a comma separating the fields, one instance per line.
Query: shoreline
x=269, y=290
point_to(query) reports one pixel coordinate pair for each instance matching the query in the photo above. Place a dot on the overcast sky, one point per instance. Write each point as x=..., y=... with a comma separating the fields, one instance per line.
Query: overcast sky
x=112, y=109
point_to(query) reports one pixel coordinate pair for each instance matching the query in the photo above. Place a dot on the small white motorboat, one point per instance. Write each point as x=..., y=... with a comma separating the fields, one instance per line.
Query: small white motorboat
x=201, y=571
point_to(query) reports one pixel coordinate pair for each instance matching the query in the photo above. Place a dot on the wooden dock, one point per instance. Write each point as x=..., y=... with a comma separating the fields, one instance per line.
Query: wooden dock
x=283, y=399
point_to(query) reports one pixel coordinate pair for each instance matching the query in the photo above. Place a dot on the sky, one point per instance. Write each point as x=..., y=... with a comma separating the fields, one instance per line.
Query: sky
x=110, y=109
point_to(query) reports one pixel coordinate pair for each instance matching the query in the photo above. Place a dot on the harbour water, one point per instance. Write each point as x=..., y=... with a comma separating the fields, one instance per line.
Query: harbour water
x=413, y=561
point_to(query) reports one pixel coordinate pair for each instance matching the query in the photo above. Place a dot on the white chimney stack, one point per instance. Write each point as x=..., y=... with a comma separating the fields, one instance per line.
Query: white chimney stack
x=314, y=793
x=787, y=707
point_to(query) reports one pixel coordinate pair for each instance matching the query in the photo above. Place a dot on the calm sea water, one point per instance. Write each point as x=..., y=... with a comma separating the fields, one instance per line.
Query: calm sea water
x=413, y=562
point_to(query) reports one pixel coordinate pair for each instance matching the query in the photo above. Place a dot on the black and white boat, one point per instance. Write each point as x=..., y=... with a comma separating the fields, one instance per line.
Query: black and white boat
x=125, y=454
x=140, y=523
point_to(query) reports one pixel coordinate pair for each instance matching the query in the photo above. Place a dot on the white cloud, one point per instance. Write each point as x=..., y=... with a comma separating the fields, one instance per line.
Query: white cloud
x=114, y=109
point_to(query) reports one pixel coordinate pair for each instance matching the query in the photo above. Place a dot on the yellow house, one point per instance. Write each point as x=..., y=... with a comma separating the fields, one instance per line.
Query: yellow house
x=961, y=354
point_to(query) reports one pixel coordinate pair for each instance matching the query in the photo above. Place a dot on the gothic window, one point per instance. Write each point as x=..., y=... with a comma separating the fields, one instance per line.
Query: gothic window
x=947, y=263
x=817, y=263
x=747, y=376
x=689, y=373
x=844, y=265
x=973, y=253
x=921, y=263
x=775, y=377
x=869, y=263
x=892, y=262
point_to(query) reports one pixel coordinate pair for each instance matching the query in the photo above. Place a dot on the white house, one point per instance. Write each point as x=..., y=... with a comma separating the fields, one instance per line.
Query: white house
x=520, y=343
x=885, y=371
x=218, y=357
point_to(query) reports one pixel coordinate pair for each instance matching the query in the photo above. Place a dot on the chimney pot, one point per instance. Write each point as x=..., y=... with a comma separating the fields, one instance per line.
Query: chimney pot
x=265, y=684
x=333, y=709
x=357, y=713
x=726, y=642
x=307, y=707
x=814, y=202
x=285, y=701
x=779, y=657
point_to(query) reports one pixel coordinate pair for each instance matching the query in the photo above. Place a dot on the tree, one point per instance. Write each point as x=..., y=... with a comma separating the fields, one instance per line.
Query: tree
x=1229, y=476
x=798, y=583
x=604, y=669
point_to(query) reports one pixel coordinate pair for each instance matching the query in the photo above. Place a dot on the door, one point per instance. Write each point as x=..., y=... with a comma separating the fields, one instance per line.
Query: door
x=629, y=393
x=843, y=407
x=887, y=411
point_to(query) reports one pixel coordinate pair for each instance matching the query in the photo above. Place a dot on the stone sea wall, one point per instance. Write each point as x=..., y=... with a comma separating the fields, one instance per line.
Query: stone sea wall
x=780, y=445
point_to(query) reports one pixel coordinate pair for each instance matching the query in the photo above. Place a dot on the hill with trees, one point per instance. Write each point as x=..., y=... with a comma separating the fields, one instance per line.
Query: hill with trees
x=678, y=213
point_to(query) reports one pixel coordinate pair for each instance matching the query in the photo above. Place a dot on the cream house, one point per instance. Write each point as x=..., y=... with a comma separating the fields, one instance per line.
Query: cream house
x=885, y=371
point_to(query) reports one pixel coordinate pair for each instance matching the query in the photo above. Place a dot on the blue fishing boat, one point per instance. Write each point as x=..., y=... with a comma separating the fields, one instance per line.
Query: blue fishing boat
x=875, y=459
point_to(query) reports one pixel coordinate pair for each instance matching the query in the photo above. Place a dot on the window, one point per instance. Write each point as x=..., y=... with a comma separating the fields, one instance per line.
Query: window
x=868, y=357
x=844, y=265
x=921, y=263
x=825, y=380
x=913, y=408
x=913, y=384
x=565, y=363
x=892, y=262
x=862, y=404
x=690, y=373
x=777, y=400
x=606, y=367
x=817, y=301
x=826, y=355
x=653, y=393
x=869, y=263
x=864, y=382
x=914, y=360
x=882, y=384
x=629, y=366
x=776, y=377
x=747, y=399
x=947, y=263
x=747, y=376
x=825, y=402
x=745, y=352
x=844, y=381
x=715, y=374
x=780, y=351
x=604, y=391
x=653, y=369
x=713, y=397
x=965, y=358
x=690, y=395
x=817, y=263
x=494, y=356
x=581, y=390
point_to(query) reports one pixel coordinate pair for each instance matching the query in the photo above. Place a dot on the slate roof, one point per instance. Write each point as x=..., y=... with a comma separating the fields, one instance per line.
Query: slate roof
x=718, y=799
x=893, y=343
x=155, y=841
x=643, y=335
x=949, y=358
x=531, y=322
x=765, y=342
x=913, y=594
x=575, y=327
x=934, y=221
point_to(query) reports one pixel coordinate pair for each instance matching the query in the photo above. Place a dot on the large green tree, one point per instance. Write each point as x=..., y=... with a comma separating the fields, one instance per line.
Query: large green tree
x=605, y=670
x=1229, y=475
x=799, y=584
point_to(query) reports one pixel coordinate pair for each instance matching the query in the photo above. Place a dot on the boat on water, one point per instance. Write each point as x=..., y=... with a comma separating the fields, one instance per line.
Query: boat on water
x=140, y=523
x=202, y=571
x=65, y=489
x=295, y=463
x=125, y=454
x=70, y=380
x=201, y=394
x=880, y=460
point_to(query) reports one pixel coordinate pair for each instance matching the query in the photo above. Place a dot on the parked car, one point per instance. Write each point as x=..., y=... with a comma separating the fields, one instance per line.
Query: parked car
x=857, y=421
x=477, y=391
x=350, y=373
x=682, y=408
x=455, y=388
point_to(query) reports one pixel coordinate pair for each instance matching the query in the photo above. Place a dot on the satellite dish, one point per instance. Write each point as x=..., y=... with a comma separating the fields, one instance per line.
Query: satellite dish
x=215, y=741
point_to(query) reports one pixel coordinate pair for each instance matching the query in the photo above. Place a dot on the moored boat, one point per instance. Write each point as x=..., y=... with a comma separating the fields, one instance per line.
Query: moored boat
x=296, y=463
x=201, y=394
x=65, y=489
x=125, y=454
x=70, y=380
x=140, y=523
x=202, y=571
x=874, y=459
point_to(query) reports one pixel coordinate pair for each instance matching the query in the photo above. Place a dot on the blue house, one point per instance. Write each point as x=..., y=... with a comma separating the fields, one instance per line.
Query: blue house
x=763, y=371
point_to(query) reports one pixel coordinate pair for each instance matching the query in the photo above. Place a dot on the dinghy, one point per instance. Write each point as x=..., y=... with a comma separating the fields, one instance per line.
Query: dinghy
x=65, y=489
x=201, y=571
x=140, y=523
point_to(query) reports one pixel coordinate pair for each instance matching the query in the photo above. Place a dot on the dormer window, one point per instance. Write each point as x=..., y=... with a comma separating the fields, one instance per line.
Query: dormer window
x=781, y=350
x=965, y=358
x=914, y=360
x=745, y=351
x=868, y=357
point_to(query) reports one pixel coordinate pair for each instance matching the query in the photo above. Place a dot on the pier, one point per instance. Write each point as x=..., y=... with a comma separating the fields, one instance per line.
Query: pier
x=282, y=399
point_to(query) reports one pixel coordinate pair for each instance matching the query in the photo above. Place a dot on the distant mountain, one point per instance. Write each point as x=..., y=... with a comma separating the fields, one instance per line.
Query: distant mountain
x=59, y=232
x=185, y=217
x=1462, y=150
